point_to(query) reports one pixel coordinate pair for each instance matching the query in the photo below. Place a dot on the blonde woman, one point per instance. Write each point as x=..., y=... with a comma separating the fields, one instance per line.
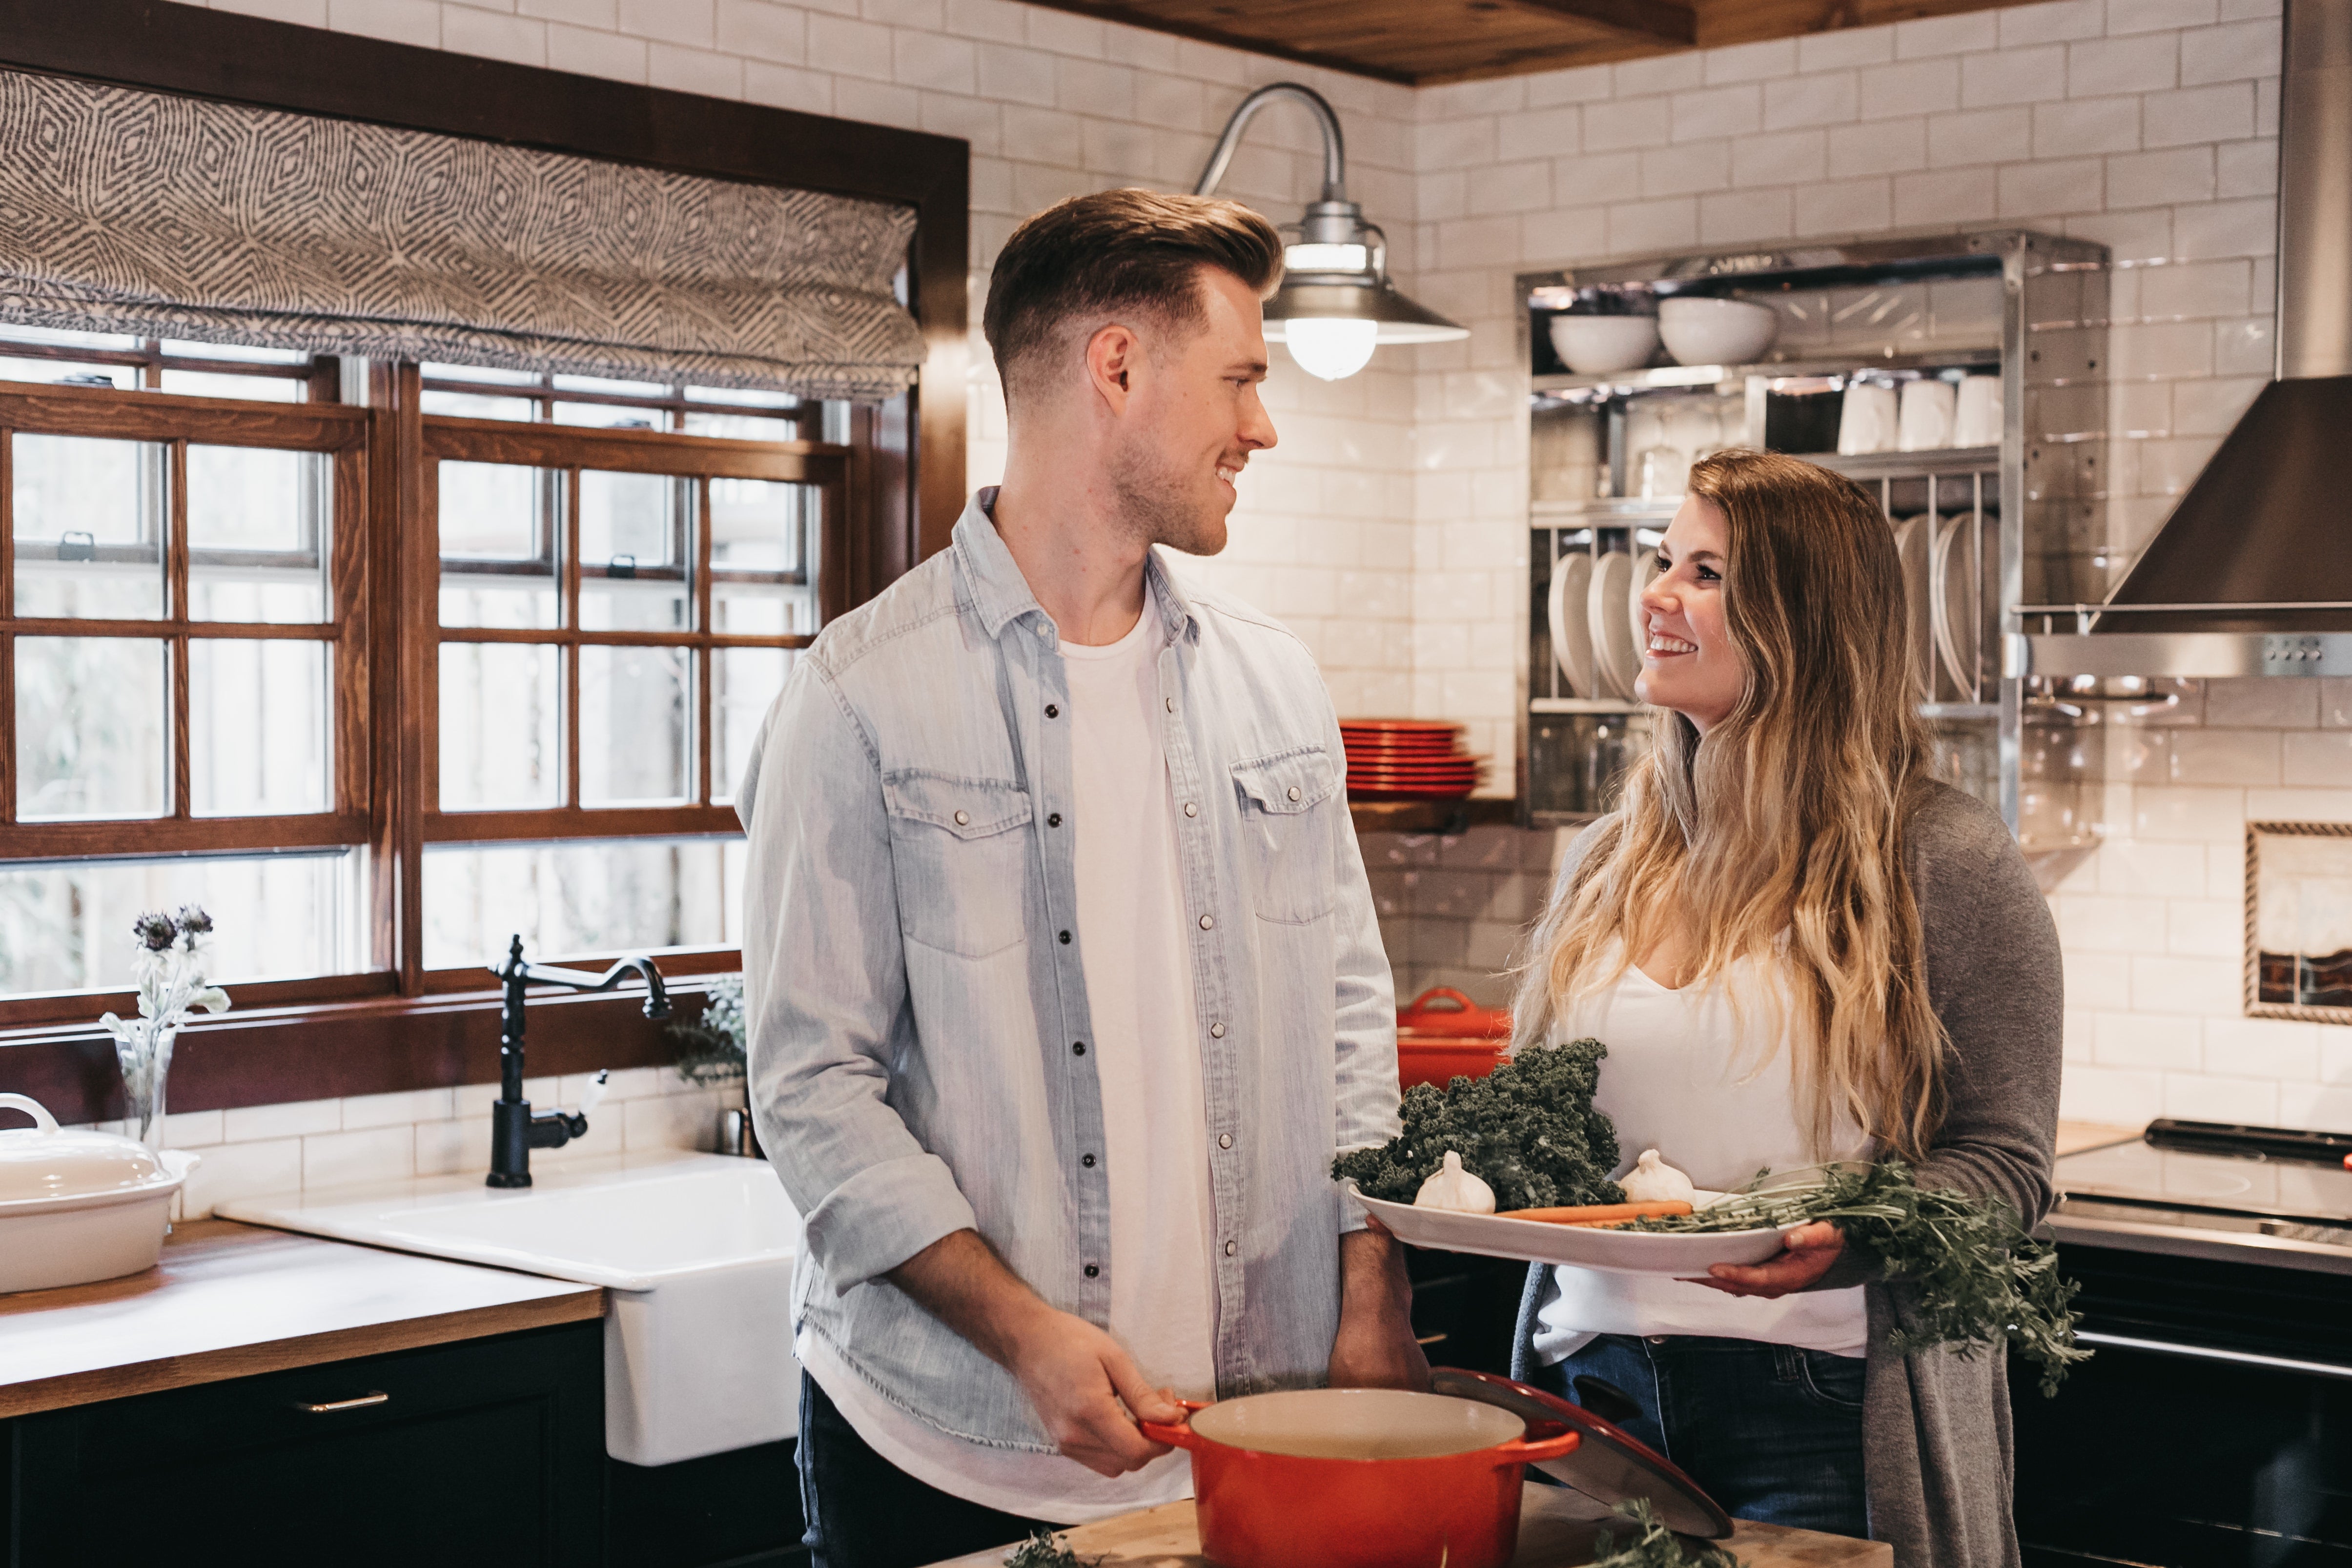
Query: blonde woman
x=1797, y=946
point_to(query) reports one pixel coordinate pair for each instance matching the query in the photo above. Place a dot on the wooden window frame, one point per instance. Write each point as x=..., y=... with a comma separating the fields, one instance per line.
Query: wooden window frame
x=396, y=1029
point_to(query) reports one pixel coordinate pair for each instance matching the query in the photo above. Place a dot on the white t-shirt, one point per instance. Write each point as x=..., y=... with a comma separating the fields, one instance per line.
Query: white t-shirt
x=1155, y=1115
x=1710, y=1085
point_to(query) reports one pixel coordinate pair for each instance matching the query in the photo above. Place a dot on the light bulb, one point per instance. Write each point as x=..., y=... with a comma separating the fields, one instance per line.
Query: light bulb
x=1331, y=347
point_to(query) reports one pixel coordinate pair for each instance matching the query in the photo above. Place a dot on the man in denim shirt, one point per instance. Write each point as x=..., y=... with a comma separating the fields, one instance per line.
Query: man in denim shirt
x=1064, y=981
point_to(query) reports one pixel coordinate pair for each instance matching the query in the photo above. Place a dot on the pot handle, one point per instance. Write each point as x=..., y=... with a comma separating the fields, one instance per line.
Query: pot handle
x=1529, y=1451
x=42, y=1120
x=1420, y=1004
x=1176, y=1434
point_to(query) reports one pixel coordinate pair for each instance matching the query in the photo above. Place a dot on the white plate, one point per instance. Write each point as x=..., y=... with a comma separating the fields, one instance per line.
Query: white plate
x=1913, y=537
x=1637, y=620
x=1683, y=1257
x=1954, y=596
x=1571, y=639
x=1612, y=632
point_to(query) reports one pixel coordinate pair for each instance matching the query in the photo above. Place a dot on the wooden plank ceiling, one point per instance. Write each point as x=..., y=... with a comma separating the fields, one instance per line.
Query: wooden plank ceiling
x=1419, y=42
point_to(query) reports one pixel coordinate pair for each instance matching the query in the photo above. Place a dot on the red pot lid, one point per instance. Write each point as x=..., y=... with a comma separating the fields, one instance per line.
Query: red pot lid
x=1611, y=1466
x=1442, y=1012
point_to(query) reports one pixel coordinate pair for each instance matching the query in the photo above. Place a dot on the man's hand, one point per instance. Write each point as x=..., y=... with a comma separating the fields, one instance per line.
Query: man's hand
x=1807, y=1253
x=1375, y=1346
x=1074, y=1373
x=1084, y=1387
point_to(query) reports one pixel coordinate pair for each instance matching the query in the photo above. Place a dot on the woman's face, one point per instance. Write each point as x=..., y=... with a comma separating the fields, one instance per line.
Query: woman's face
x=1689, y=663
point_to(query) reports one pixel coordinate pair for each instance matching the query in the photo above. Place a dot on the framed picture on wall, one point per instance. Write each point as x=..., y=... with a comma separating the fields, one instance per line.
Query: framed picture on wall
x=2299, y=921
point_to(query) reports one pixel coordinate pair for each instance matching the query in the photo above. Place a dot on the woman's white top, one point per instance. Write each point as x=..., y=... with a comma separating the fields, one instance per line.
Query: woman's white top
x=1702, y=1075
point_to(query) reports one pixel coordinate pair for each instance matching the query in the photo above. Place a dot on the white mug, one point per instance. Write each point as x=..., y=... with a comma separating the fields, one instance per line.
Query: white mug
x=1978, y=421
x=1926, y=422
x=1866, y=420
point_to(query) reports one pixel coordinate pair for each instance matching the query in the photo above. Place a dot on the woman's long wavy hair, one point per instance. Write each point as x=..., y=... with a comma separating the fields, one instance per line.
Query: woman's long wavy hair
x=1789, y=817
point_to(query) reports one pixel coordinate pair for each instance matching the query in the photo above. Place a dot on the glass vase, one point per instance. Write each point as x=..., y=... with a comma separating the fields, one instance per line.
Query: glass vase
x=146, y=1060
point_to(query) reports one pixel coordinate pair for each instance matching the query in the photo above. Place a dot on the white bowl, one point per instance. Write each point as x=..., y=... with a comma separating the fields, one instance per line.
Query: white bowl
x=81, y=1205
x=1598, y=345
x=1717, y=331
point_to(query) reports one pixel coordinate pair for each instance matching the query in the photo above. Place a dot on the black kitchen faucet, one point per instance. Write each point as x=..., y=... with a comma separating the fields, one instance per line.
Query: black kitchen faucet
x=514, y=1131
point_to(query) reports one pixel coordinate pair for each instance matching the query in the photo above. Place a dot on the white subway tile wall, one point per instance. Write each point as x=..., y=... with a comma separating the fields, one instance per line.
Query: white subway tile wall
x=261, y=1149
x=1389, y=528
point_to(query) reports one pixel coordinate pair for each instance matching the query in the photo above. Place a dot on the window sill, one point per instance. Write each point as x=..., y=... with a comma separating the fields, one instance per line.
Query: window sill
x=335, y=1049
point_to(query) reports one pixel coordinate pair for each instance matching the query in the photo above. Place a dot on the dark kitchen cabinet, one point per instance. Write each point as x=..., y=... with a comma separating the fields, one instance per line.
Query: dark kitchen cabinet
x=1465, y=1307
x=486, y=1451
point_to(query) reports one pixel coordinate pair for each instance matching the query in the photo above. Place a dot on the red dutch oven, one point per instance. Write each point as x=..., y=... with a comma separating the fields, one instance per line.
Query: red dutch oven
x=1359, y=1478
x=1444, y=1035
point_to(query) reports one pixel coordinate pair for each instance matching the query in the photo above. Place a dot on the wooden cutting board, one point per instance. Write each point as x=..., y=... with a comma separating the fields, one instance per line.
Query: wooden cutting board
x=1555, y=1532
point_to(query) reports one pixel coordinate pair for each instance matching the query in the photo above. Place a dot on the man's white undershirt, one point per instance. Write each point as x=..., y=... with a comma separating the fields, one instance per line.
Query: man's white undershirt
x=1147, y=1058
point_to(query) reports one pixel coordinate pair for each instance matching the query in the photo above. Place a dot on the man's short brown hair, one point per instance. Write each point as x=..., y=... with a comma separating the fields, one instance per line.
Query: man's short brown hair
x=1092, y=258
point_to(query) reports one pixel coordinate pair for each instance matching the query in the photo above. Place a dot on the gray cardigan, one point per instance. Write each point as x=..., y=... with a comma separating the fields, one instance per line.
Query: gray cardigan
x=1935, y=1428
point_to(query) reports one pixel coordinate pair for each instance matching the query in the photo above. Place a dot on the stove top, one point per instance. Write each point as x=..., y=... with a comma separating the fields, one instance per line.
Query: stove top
x=2257, y=1194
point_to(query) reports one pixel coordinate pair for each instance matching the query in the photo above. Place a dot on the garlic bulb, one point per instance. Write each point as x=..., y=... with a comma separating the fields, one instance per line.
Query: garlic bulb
x=1652, y=1180
x=1455, y=1188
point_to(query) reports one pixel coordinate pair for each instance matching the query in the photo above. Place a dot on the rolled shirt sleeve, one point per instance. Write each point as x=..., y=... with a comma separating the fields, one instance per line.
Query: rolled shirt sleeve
x=825, y=992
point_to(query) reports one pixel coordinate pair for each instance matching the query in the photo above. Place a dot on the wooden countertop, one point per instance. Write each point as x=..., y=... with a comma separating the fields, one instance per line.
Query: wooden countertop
x=1553, y=1534
x=228, y=1300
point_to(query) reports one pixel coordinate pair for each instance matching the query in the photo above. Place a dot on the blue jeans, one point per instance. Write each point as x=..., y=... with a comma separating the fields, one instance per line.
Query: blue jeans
x=1772, y=1432
x=863, y=1511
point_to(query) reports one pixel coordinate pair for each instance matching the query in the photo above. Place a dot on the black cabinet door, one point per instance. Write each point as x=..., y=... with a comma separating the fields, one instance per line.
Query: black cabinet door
x=490, y=1451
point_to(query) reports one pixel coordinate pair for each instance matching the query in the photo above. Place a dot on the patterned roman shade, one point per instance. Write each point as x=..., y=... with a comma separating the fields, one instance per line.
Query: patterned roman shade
x=124, y=211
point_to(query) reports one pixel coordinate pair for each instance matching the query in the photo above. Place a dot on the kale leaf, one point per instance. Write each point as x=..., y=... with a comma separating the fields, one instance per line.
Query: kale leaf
x=1044, y=1549
x=1528, y=1130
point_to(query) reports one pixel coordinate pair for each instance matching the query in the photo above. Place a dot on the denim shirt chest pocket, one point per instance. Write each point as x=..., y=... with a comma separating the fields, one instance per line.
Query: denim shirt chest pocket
x=960, y=859
x=1285, y=800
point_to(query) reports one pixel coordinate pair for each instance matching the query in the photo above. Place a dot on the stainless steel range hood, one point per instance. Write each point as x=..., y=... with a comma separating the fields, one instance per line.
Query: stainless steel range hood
x=2252, y=573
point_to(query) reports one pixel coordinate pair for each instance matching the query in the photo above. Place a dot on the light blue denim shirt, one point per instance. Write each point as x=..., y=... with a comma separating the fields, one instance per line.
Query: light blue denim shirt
x=917, y=1003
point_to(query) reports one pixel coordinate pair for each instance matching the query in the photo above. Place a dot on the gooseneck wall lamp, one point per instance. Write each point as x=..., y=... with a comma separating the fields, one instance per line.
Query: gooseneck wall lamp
x=1336, y=303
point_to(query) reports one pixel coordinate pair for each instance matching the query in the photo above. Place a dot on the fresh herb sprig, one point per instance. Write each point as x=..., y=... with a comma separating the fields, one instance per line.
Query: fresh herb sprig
x=1044, y=1549
x=1654, y=1545
x=1978, y=1279
x=1528, y=1130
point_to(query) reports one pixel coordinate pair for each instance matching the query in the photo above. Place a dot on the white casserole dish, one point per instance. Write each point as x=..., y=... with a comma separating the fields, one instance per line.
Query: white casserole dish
x=79, y=1206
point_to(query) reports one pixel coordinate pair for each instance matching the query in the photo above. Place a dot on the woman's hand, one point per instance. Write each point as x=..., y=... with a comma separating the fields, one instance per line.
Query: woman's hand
x=1807, y=1254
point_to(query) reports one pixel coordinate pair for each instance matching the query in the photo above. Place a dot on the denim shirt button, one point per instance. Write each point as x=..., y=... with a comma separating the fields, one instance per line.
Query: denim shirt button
x=1216, y=1031
x=1190, y=809
x=1208, y=922
x=1224, y=1140
x=1066, y=939
x=1087, y=1161
x=1054, y=819
x=1294, y=791
x=1092, y=1271
x=1171, y=705
x=963, y=819
x=1053, y=712
x=1232, y=1247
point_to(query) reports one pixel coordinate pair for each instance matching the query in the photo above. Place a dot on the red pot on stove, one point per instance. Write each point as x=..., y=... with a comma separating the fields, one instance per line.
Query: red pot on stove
x=1359, y=1478
x=1443, y=1035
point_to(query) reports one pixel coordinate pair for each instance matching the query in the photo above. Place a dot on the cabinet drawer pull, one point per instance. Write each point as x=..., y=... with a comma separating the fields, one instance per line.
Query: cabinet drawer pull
x=331, y=1406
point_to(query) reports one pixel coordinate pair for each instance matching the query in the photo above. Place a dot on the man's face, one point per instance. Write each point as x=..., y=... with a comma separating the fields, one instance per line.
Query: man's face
x=1191, y=421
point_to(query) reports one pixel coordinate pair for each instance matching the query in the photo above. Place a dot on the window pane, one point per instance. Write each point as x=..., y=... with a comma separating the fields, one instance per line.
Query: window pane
x=632, y=552
x=66, y=373
x=762, y=609
x=748, y=680
x=741, y=427
x=91, y=736
x=500, y=745
x=89, y=527
x=433, y=372
x=257, y=534
x=610, y=416
x=744, y=397
x=497, y=551
x=204, y=384
x=257, y=727
x=603, y=895
x=612, y=388
x=58, y=335
x=633, y=729
x=462, y=406
x=759, y=525
x=180, y=350
x=67, y=926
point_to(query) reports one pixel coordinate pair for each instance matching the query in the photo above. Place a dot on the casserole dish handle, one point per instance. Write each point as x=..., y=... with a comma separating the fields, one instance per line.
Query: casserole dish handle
x=42, y=1120
x=1176, y=1434
x=1534, y=1450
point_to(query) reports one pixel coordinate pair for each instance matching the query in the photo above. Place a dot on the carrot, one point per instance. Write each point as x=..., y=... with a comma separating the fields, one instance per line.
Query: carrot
x=1601, y=1213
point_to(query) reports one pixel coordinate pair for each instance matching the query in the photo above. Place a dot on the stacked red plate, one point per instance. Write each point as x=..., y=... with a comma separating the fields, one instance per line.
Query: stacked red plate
x=1407, y=760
